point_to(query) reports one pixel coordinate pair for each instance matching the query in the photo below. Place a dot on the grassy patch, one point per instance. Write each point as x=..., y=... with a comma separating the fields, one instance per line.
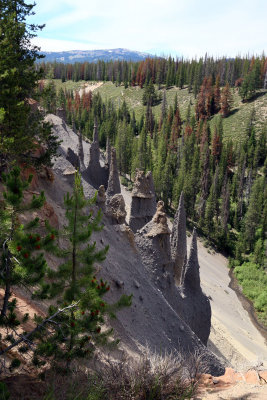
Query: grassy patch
x=234, y=125
x=253, y=280
x=133, y=98
x=68, y=85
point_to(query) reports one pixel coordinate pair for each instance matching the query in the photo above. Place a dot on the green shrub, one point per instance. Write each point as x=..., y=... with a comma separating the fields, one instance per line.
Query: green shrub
x=253, y=279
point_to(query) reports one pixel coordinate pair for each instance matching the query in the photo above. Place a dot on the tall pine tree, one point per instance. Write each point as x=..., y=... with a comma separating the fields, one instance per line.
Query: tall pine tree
x=22, y=131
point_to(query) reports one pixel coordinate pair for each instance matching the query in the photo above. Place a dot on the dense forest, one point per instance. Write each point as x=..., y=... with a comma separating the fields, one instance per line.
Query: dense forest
x=247, y=73
x=223, y=179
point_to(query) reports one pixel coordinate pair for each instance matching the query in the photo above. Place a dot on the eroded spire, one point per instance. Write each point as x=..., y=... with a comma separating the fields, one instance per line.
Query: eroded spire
x=114, y=186
x=191, y=275
x=178, y=241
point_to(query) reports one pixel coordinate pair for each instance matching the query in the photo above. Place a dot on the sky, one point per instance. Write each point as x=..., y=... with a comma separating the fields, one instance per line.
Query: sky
x=188, y=28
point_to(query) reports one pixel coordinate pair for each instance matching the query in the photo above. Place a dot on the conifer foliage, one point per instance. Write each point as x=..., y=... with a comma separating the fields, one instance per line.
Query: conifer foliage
x=21, y=261
x=21, y=130
x=79, y=330
x=73, y=326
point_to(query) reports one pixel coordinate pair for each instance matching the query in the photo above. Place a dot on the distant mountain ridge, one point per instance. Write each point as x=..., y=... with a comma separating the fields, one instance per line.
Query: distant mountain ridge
x=73, y=56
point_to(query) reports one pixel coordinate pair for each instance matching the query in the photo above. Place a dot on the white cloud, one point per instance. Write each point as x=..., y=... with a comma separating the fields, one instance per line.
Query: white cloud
x=190, y=27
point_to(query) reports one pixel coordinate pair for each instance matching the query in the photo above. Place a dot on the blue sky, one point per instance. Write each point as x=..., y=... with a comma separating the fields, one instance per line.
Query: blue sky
x=177, y=27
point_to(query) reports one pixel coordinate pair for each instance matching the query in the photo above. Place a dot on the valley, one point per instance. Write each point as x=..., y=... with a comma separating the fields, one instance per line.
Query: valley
x=133, y=209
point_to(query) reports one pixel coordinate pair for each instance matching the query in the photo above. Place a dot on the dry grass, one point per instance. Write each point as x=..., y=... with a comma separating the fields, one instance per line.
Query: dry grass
x=149, y=377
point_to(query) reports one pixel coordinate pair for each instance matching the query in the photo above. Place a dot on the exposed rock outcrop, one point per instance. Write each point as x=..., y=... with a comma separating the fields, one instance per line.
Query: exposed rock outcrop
x=188, y=300
x=73, y=158
x=80, y=151
x=114, y=186
x=94, y=150
x=115, y=209
x=95, y=174
x=159, y=222
x=178, y=241
x=108, y=153
x=101, y=198
x=161, y=314
x=153, y=241
x=143, y=205
x=191, y=279
x=196, y=305
x=61, y=113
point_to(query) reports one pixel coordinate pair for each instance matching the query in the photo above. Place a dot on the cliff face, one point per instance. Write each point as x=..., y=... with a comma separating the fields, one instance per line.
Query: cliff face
x=143, y=205
x=114, y=186
x=95, y=173
x=188, y=300
x=178, y=241
x=163, y=315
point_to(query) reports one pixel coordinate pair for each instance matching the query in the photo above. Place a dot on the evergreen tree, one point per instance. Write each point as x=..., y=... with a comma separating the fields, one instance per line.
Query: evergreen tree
x=191, y=185
x=20, y=265
x=149, y=96
x=22, y=262
x=217, y=94
x=212, y=206
x=226, y=101
x=123, y=146
x=225, y=205
x=21, y=130
x=49, y=95
x=205, y=180
x=79, y=331
x=254, y=213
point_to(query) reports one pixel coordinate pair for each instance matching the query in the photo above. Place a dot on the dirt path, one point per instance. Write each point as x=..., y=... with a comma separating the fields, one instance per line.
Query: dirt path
x=89, y=87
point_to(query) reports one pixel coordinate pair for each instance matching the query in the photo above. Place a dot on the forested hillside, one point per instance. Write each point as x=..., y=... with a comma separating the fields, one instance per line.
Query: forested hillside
x=84, y=264
x=200, y=126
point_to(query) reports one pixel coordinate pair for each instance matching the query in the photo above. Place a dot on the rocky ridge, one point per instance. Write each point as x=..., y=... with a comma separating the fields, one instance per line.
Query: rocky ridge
x=164, y=315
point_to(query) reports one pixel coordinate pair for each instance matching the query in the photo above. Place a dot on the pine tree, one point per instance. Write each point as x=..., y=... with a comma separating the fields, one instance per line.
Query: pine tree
x=20, y=265
x=149, y=96
x=175, y=130
x=226, y=101
x=216, y=146
x=212, y=206
x=159, y=162
x=205, y=180
x=191, y=184
x=123, y=145
x=22, y=262
x=254, y=213
x=225, y=205
x=49, y=94
x=163, y=108
x=22, y=131
x=217, y=94
x=78, y=332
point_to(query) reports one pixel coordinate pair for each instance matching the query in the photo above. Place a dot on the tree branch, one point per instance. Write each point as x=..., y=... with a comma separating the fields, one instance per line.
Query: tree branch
x=38, y=327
